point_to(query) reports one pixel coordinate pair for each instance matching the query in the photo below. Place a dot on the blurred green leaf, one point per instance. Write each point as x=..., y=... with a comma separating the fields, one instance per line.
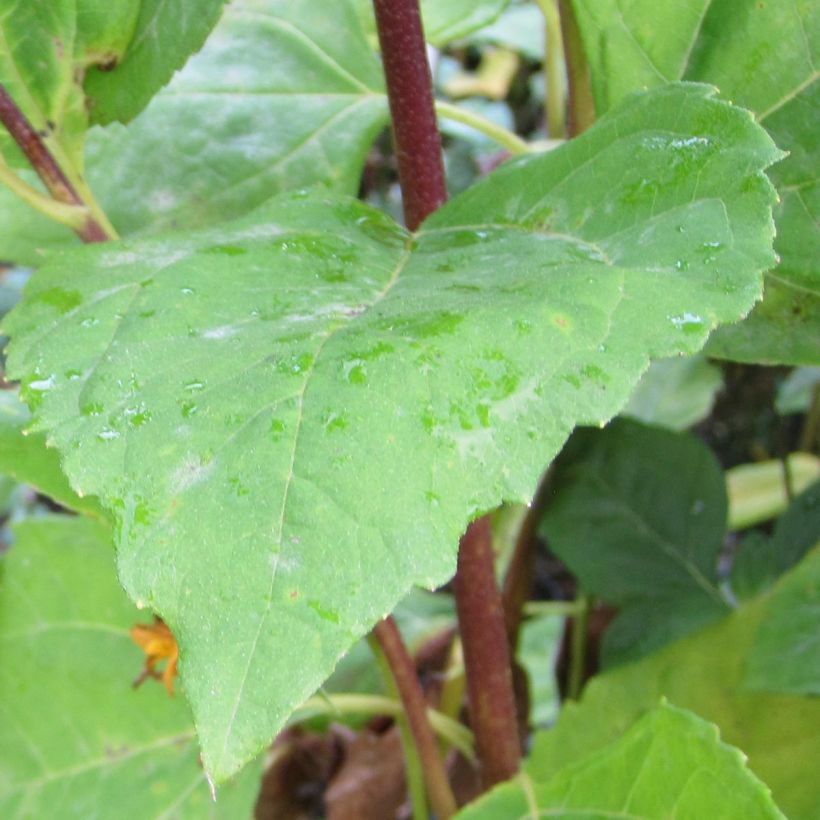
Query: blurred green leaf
x=761, y=559
x=75, y=739
x=539, y=644
x=785, y=656
x=675, y=393
x=795, y=394
x=26, y=458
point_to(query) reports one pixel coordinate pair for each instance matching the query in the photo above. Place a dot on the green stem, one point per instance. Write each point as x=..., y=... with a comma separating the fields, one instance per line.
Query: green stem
x=393, y=657
x=73, y=216
x=446, y=727
x=95, y=227
x=506, y=139
x=567, y=609
x=554, y=78
x=412, y=762
x=578, y=648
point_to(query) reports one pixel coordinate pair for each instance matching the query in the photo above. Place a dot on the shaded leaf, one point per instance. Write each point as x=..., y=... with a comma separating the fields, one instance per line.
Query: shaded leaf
x=670, y=763
x=675, y=393
x=761, y=560
x=76, y=739
x=795, y=393
x=26, y=458
x=293, y=417
x=639, y=517
x=762, y=56
x=780, y=733
x=785, y=656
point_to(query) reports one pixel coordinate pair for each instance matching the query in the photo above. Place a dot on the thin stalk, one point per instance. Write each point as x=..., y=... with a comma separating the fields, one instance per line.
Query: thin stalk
x=505, y=138
x=95, y=227
x=403, y=673
x=486, y=657
x=73, y=216
x=554, y=77
x=518, y=579
x=810, y=436
x=581, y=113
x=566, y=609
x=445, y=726
x=578, y=649
x=410, y=94
x=412, y=763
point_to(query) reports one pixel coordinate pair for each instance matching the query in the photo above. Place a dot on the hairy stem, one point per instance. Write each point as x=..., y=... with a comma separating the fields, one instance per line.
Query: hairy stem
x=407, y=684
x=486, y=657
x=95, y=228
x=410, y=93
x=581, y=113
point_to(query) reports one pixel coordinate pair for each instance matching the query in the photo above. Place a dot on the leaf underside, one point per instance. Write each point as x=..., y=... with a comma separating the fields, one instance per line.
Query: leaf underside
x=293, y=417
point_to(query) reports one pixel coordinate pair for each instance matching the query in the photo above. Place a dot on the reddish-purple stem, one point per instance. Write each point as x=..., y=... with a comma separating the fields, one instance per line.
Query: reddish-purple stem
x=415, y=708
x=41, y=160
x=410, y=93
x=486, y=656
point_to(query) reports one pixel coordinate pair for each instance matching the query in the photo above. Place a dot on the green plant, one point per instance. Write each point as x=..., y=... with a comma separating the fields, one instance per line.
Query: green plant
x=285, y=409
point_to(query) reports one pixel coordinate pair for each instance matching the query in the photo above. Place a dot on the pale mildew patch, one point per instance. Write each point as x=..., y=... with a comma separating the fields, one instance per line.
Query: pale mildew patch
x=222, y=332
x=191, y=472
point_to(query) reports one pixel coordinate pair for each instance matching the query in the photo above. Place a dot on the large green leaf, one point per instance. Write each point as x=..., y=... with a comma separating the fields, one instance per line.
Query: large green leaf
x=780, y=733
x=75, y=739
x=786, y=653
x=639, y=517
x=294, y=417
x=279, y=98
x=669, y=764
x=26, y=458
x=61, y=58
x=763, y=56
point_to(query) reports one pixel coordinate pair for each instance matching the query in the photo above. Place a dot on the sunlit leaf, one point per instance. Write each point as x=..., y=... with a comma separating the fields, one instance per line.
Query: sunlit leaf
x=670, y=763
x=293, y=417
x=780, y=733
x=763, y=56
